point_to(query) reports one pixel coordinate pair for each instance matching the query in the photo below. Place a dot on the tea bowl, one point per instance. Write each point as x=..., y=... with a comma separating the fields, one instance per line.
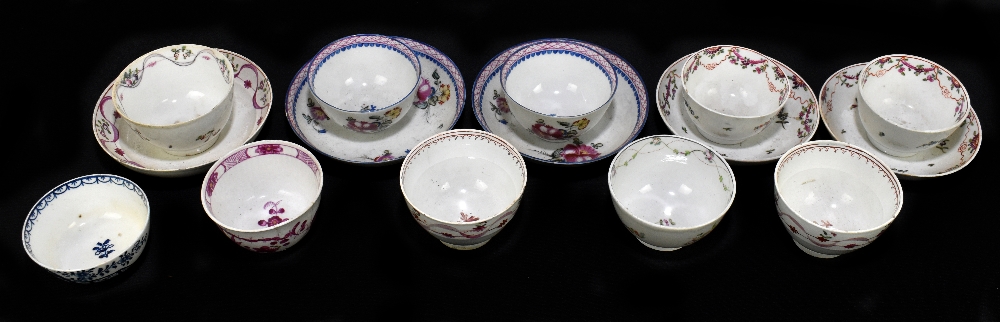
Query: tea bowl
x=177, y=98
x=463, y=186
x=908, y=104
x=558, y=89
x=834, y=198
x=264, y=195
x=365, y=83
x=731, y=92
x=670, y=191
x=88, y=229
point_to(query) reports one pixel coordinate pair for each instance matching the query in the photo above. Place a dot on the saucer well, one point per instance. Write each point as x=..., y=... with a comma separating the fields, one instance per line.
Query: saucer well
x=251, y=104
x=436, y=110
x=838, y=101
x=620, y=125
x=795, y=123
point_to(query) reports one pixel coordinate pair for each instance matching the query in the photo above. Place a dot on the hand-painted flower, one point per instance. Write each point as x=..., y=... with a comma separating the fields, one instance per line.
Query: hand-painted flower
x=424, y=90
x=318, y=114
x=581, y=123
x=501, y=104
x=394, y=113
x=362, y=126
x=579, y=153
x=546, y=131
x=269, y=149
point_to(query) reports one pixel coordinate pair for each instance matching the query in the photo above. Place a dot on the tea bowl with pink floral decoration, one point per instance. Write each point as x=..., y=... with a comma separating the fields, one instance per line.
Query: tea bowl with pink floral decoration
x=178, y=98
x=365, y=83
x=908, y=104
x=264, y=195
x=463, y=186
x=558, y=89
x=834, y=198
x=88, y=229
x=731, y=92
x=670, y=191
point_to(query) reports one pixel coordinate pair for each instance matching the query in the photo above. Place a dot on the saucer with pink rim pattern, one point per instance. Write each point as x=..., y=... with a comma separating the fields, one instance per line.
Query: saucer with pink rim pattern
x=251, y=104
x=838, y=102
x=795, y=123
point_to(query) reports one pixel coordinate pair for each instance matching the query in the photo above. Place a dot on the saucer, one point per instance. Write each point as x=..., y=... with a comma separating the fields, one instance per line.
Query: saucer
x=795, y=123
x=251, y=103
x=838, y=100
x=620, y=125
x=438, y=112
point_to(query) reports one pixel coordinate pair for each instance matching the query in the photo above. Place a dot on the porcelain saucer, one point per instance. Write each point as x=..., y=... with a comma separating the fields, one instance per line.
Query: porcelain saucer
x=251, y=104
x=795, y=123
x=838, y=101
x=435, y=113
x=620, y=125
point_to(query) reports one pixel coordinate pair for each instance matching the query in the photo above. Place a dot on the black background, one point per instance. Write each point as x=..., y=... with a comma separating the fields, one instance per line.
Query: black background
x=566, y=255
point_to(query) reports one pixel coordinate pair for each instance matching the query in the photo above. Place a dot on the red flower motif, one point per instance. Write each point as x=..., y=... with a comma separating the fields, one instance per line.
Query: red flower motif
x=317, y=113
x=247, y=84
x=579, y=153
x=361, y=126
x=387, y=156
x=120, y=151
x=502, y=105
x=117, y=116
x=468, y=218
x=274, y=220
x=424, y=90
x=546, y=131
x=822, y=238
x=269, y=149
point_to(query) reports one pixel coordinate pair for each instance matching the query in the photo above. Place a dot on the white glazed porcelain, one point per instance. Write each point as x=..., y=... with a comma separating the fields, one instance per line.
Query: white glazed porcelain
x=839, y=107
x=264, y=195
x=558, y=88
x=732, y=92
x=834, y=198
x=795, y=124
x=621, y=123
x=438, y=104
x=908, y=104
x=177, y=98
x=364, y=82
x=463, y=186
x=670, y=191
x=88, y=229
x=251, y=104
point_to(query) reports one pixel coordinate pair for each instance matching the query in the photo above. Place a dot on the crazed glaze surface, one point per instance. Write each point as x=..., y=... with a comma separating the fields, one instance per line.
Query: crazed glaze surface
x=732, y=92
x=670, y=191
x=908, y=104
x=839, y=106
x=462, y=186
x=364, y=82
x=795, y=123
x=439, y=101
x=834, y=197
x=621, y=123
x=88, y=229
x=264, y=194
x=251, y=104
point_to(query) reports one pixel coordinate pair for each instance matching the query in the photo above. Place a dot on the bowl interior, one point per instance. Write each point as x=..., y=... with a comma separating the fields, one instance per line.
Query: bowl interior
x=365, y=77
x=559, y=83
x=913, y=93
x=838, y=187
x=86, y=226
x=263, y=186
x=174, y=85
x=672, y=182
x=463, y=177
x=734, y=82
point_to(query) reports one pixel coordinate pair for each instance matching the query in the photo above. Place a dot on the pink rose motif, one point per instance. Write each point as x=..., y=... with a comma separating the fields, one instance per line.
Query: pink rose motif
x=579, y=153
x=318, y=114
x=274, y=220
x=362, y=126
x=269, y=149
x=546, y=131
x=247, y=84
x=502, y=105
x=424, y=90
x=386, y=156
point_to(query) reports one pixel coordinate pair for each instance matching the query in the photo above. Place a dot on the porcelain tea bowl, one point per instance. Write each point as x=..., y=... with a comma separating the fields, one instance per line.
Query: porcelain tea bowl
x=908, y=104
x=731, y=92
x=88, y=229
x=264, y=195
x=178, y=98
x=670, y=191
x=463, y=186
x=834, y=198
x=365, y=83
x=558, y=89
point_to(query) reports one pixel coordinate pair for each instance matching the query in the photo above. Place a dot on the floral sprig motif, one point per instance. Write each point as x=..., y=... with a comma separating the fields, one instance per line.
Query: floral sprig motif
x=386, y=156
x=315, y=115
x=928, y=73
x=467, y=217
x=733, y=56
x=269, y=149
x=207, y=135
x=568, y=130
x=104, y=249
x=500, y=108
x=670, y=90
x=274, y=211
x=656, y=144
x=575, y=152
x=428, y=95
x=130, y=77
x=376, y=123
x=181, y=52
